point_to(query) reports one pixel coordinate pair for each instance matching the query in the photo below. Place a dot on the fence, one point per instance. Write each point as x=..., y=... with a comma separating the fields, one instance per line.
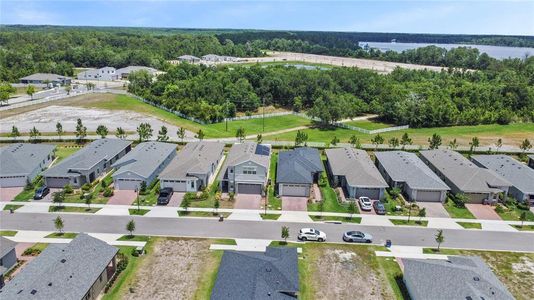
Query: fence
x=374, y=131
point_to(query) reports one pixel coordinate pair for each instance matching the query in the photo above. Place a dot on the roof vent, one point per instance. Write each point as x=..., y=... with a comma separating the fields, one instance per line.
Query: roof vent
x=50, y=284
x=33, y=292
x=63, y=261
x=476, y=278
x=268, y=270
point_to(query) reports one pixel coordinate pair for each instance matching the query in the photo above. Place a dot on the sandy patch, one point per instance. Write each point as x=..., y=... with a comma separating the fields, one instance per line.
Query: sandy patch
x=525, y=266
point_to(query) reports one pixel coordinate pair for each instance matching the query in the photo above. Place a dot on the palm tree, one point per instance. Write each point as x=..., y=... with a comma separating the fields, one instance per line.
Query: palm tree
x=474, y=143
x=120, y=133
x=285, y=233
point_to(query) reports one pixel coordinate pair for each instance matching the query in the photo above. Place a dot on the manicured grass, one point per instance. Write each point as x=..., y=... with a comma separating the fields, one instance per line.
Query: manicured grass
x=514, y=214
x=135, y=212
x=411, y=223
x=25, y=195
x=8, y=232
x=126, y=276
x=393, y=274
x=135, y=238
x=255, y=126
x=62, y=235
x=457, y=212
x=356, y=220
x=204, y=214
x=368, y=124
x=270, y=216
x=12, y=206
x=469, y=225
x=72, y=209
x=524, y=227
x=63, y=152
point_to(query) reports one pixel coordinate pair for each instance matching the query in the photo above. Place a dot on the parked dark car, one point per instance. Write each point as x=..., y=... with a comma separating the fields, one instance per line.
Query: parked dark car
x=379, y=208
x=41, y=192
x=165, y=195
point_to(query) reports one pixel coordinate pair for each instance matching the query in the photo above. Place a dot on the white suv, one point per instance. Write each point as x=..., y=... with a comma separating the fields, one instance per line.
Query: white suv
x=366, y=204
x=310, y=234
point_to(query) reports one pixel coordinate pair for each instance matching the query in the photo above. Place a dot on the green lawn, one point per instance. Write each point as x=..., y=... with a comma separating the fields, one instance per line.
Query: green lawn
x=330, y=199
x=368, y=124
x=8, y=232
x=126, y=276
x=513, y=214
x=62, y=235
x=65, y=151
x=12, y=206
x=469, y=225
x=356, y=220
x=255, y=126
x=135, y=212
x=411, y=223
x=72, y=209
x=134, y=238
x=203, y=214
x=457, y=212
x=270, y=216
x=524, y=227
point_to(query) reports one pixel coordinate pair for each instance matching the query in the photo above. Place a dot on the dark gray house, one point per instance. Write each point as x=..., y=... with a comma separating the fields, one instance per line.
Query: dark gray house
x=520, y=176
x=143, y=164
x=193, y=166
x=459, y=277
x=87, y=164
x=406, y=171
x=531, y=161
x=75, y=271
x=21, y=163
x=297, y=170
x=254, y=275
x=8, y=258
x=46, y=78
x=354, y=171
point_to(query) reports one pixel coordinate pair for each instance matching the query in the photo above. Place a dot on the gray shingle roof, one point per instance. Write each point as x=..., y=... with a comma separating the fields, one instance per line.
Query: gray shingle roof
x=254, y=275
x=87, y=157
x=519, y=174
x=406, y=167
x=130, y=69
x=22, y=159
x=463, y=173
x=6, y=245
x=44, y=77
x=458, y=278
x=61, y=271
x=298, y=165
x=195, y=157
x=356, y=166
x=144, y=159
x=248, y=151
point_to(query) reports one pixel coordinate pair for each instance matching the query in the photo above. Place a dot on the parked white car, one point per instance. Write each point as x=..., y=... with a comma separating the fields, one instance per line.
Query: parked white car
x=310, y=234
x=365, y=204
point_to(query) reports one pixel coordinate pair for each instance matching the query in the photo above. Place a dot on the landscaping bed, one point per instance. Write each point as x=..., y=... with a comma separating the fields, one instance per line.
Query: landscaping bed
x=136, y=212
x=410, y=223
x=469, y=225
x=8, y=232
x=62, y=235
x=72, y=209
x=356, y=220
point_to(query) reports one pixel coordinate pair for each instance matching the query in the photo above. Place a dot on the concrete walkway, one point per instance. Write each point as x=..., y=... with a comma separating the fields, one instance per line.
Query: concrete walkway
x=444, y=223
x=244, y=215
x=409, y=252
x=113, y=211
x=162, y=212
x=295, y=216
x=376, y=221
x=244, y=245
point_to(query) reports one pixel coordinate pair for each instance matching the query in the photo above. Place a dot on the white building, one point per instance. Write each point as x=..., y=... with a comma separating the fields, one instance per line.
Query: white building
x=104, y=74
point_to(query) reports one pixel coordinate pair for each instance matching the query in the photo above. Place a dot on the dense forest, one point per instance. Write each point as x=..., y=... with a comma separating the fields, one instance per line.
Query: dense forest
x=417, y=98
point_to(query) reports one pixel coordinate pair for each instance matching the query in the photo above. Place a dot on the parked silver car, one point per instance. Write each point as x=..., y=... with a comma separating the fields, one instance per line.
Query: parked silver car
x=310, y=234
x=357, y=237
x=365, y=203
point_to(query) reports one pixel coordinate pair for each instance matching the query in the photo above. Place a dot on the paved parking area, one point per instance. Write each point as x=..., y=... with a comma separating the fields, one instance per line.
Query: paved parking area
x=295, y=203
x=8, y=193
x=176, y=199
x=122, y=197
x=247, y=201
x=483, y=212
x=48, y=198
x=372, y=212
x=434, y=209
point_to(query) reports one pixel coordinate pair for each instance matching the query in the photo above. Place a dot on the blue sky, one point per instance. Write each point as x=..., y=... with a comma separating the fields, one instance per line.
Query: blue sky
x=479, y=17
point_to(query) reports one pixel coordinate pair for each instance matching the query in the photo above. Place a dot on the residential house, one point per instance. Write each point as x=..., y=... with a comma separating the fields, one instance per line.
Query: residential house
x=143, y=164
x=462, y=176
x=193, y=167
x=46, y=78
x=255, y=275
x=411, y=175
x=354, y=171
x=8, y=258
x=246, y=169
x=520, y=176
x=212, y=58
x=75, y=271
x=297, y=170
x=104, y=74
x=531, y=161
x=21, y=163
x=123, y=73
x=459, y=277
x=189, y=58
x=87, y=164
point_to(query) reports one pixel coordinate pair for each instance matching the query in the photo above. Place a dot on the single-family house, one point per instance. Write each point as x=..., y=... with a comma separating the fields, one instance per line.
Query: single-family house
x=46, y=78
x=8, y=258
x=143, y=164
x=86, y=164
x=123, y=73
x=257, y=275
x=297, y=170
x=531, y=161
x=480, y=185
x=193, y=166
x=20, y=163
x=459, y=277
x=104, y=74
x=520, y=176
x=411, y=175
x=246, y=169
x=212, y=58
x=189, y=58
x=354, y=171
x=77, y=270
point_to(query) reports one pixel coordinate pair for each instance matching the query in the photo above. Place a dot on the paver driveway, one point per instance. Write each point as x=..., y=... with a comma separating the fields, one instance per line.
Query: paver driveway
x=434, y=209
x=176, y=199
x=295, y=203
x=483, y=212
x=8, y=193
x=247, y=201
x=122, y=197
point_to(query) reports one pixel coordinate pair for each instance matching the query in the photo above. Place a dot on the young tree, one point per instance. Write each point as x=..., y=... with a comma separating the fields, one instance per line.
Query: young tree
x=142, y=187
x=130, y=227
x=144, y=130
x=68, y=88
x=200, y=135
x=14, y=132
x=216, y=205
x=181, y=133
x=377, y=140
x=525, y=145
x=435, y=141
x=162, y=134
x=58, y=223
x=453, y=144
x=405, y=140
x=422, y=213
x=285, y=233
x=394, y=142
x=90, y=86
x=474, y=144
x=5, y=92
x=120, y=133
x=30, y=90
x=59, y=130
x=301, y=138
x=34, y=133
x=240, y=134
x=259, y=138
x=352, y=209
x=440, y=238
x=355, y=142
x=523, y=217
x=186, y=202
x=81, y=131
x=58, y=198
x=102, y=131
x=334, y=141
x=88, y=201
x=498, y=144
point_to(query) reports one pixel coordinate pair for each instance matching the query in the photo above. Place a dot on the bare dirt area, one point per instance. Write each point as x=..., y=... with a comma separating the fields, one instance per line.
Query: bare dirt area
x=171, y=271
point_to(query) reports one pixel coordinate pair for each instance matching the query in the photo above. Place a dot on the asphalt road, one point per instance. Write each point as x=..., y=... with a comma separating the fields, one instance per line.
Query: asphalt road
x=212, y=228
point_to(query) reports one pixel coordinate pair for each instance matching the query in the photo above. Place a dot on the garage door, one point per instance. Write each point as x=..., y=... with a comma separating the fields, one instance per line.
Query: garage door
x=13, y=181
x=476, y=198
x=56, y=182
x=299, y=190
x=248, y=188
x=176, y=185
x=126, y=184
x=371, y=193
x=428, y=196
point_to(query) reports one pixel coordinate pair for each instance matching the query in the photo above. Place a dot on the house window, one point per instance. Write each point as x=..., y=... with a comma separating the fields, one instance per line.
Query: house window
x=249, y=170
x=192, y=184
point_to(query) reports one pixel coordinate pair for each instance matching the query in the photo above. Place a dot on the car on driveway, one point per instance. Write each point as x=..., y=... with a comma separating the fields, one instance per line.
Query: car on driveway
x=357, y=237
x=310, y=234
x=41, y=192
x=365, y=204
x=165, y=196
x=380, y=209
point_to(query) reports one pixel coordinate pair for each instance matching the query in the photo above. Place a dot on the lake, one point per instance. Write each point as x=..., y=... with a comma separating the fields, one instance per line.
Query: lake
x=498, y=52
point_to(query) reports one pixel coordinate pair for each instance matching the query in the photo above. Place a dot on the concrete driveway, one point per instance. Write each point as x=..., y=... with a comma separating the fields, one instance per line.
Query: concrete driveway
x=363, y=212
x=48, y=198
x=122, y=197
x=483, y=212
x=247, y=201
x=176, y=199
x=295, y=203
x=434, y=209
x=8, y=193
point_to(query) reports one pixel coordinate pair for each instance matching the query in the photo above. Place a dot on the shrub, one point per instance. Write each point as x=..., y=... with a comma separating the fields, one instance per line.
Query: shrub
x=104, y=184
x=31, y=252
x=499, y=209
x=86, y=187
x=68, y=189
x=108, y=192
x=121, y=266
